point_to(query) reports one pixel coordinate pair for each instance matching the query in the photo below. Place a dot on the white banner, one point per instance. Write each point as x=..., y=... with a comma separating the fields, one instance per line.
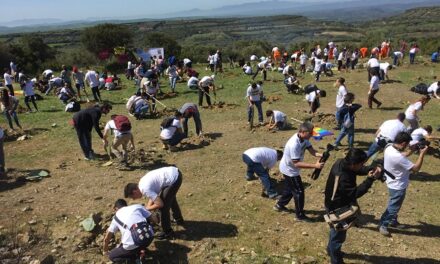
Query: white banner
x=146, y=54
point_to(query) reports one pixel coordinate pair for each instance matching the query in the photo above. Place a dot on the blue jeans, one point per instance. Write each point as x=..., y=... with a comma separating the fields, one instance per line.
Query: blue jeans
x=260, y=111
x=293, y=188
x=173, y=81
x=395, y=201
x=9, y=118
x=335, y=241
x=350, y=134
x=257, y=168
x=198, y=122
x=175, y=139
x=374, y=147
x=338, y=117
x=412, y=56
x=395, y=59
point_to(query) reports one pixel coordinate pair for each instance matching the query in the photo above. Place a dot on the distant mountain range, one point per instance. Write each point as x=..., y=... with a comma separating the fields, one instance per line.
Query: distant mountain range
x=333, y=10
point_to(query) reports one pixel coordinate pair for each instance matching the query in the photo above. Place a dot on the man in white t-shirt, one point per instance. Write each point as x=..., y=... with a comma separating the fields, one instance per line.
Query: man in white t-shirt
x=373, y=66
x=93, y=81
x=412, y=110
x=342, y=91
x=29, y=94
x=291, y=165
x=383, y=70
x=259, y=161
x=398, y=56
x=127, y=215
x=160, y=186
x=206, y=84
x=8, y=81
x=47, y=74
x=122, y=138
x=432, y=89
x=277, y=120
x=420, y=136
x=303, y=61
x=387, y=133
x=247, y=69
x=374, y=88
x=397, y=169
x=171, y=132
x=262, y=67
x=253, y=94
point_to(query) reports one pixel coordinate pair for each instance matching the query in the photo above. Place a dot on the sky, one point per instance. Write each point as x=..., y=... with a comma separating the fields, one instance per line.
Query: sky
x=85, y=9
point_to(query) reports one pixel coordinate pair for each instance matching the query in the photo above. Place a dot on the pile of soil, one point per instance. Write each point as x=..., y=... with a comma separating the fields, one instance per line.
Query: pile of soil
x=273, y=98
x=324, y=118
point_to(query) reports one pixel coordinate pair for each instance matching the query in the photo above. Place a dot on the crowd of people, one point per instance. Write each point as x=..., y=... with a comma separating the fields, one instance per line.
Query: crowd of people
x=160, y=186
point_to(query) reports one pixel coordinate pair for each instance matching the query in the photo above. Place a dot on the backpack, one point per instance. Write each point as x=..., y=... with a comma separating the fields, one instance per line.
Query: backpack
x=420, y=88
x=348, y=120
x=141, y=233
x=122, y=123
x=310, y=88
x=73, y=107
x=167, y=122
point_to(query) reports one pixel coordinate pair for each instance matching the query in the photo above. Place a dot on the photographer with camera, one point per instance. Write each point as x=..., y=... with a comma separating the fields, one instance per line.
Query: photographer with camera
x=397, y=168
x=341, y=193
x=421, y=137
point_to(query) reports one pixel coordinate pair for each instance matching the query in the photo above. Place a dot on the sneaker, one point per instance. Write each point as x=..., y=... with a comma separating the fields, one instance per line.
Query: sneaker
x=164, y=146
x=378, y=105
x=87, y=158
x=179, y=222
x=383, y=230
x=163, y=235
x=303, y=218
x=398, y=225
x=250, y=178
x=280, y=208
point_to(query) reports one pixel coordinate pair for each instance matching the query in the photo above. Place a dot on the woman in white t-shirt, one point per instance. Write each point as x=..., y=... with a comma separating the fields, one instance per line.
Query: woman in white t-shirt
x=411, y=112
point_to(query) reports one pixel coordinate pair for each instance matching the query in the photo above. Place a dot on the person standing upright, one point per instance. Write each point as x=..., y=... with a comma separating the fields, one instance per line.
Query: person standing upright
x=373, y=89
x=93, y=81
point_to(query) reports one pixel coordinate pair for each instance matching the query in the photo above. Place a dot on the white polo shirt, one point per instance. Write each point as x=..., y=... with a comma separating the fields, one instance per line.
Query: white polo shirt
x=154, y=181
x=168, y=132
x=411, y=111
x=129, y=215
x=391, y=128
x=266, y=156
x=399, y=166
x=254, y=94
x=342, y=91
x=278, y=116
x=418, y=135
x=293, y=150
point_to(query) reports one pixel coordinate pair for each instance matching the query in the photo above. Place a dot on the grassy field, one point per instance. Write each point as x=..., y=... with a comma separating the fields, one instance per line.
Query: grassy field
x=227, y=219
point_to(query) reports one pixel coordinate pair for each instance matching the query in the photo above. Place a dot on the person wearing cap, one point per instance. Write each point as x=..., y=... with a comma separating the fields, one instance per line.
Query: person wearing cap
x=205, y=85
x=291, y=165
x=160, y=186
x=259, y=161
x=84, y=121
x=187, y=111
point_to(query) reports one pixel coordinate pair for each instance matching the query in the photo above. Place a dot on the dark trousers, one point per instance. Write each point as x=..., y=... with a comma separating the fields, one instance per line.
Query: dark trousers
x=197, y=121
x=85, y=140
x=11, y=89
x=168, y=196
x=119, y=254
x=9, y=118
x=335, y=241
x=2, y=158
x=175, y=139
x=204, y=91
x=372, y=99
x=32, y=99
x=293, y=187
x=258, y=70
x=96, y=94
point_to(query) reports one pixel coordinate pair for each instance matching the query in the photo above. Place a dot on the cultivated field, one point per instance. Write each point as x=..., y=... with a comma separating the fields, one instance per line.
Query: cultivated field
x=227, y=219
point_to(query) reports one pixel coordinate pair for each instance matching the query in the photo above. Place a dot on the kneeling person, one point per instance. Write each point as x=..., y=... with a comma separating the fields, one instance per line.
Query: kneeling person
x=278, y=119
x=160, y=187
x=260, y=161
x=121, y=127
x=125, y=217
x=171, y=132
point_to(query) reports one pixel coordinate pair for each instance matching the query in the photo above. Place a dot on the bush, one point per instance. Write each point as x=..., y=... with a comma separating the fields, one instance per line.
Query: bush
x=105, y=37
x=31, y=53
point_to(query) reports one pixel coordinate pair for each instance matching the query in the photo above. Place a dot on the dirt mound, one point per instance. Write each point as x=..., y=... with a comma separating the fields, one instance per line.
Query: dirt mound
x=273, y=98
x=323, y=118
x=166, y=95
